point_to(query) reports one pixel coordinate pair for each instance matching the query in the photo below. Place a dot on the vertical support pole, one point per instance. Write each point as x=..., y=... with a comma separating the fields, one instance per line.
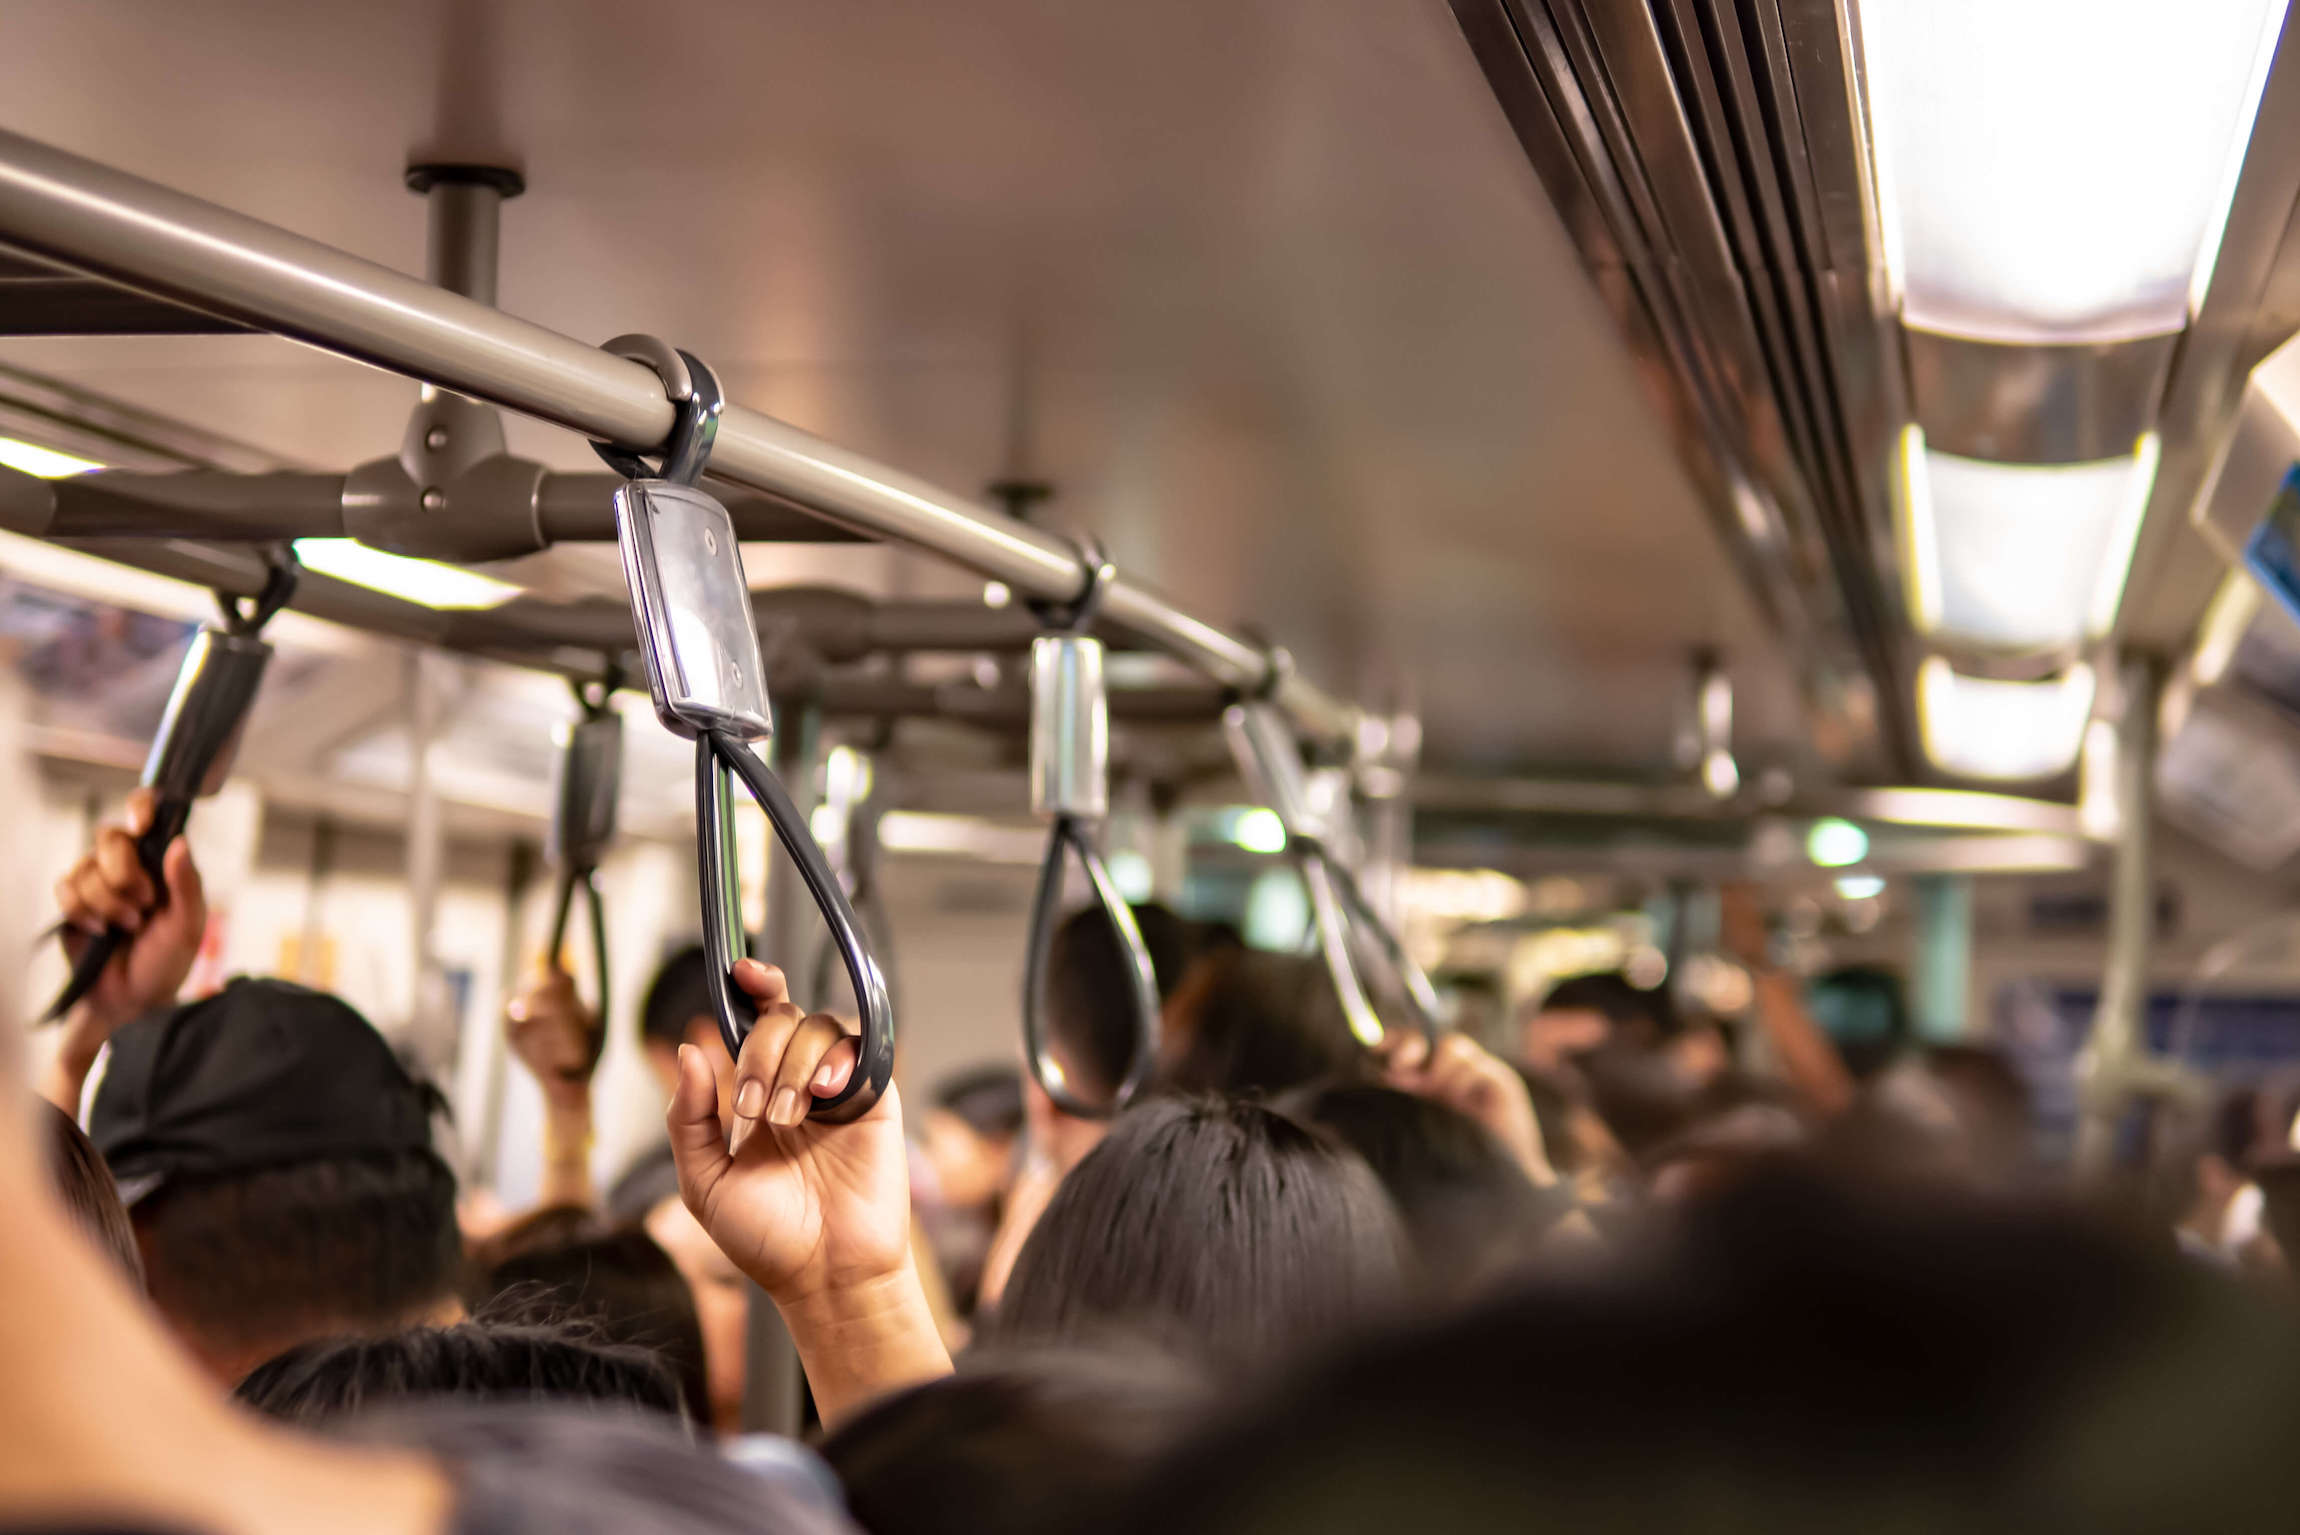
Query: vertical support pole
x=431, y=1026
x=465, y=229
x=774, y=1386
x=1943, y=968
x=2106, y=1068
x=1390, y=750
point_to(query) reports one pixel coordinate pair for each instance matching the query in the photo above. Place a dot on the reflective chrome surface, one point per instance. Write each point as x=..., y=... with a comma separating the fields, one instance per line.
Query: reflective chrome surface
x=692, y=610
x=1069, y=728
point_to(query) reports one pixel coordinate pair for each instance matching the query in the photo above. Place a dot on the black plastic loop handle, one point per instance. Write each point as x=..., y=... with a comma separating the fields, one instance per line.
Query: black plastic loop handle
x=719, y=760
x=278, y=590
x=694, y=393
x=1073, y=834
x=1420, y=996
x=586, y=880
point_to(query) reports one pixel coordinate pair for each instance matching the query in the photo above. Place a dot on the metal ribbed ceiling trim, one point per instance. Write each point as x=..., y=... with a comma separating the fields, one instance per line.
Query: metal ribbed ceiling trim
x=1705, y=158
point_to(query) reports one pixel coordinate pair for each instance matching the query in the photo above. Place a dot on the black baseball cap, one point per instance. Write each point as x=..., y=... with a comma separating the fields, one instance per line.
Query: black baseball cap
x=263, y=1074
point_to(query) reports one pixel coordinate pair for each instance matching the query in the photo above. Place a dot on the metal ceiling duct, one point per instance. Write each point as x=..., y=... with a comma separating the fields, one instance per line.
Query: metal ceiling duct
x=1705, y=158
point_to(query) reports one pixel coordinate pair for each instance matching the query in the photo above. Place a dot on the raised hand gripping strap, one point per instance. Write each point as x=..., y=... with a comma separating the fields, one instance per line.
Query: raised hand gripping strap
x=719, y=760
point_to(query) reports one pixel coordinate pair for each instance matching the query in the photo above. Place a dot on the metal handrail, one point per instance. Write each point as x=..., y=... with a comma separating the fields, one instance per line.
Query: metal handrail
x=90, y=217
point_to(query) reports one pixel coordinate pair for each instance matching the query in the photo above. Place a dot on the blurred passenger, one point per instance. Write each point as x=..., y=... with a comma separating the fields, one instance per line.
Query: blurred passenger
x=76, y=1170
x=1574, y=1137
x=1584, y=1013
x=316, y=1383
x=1033, y=1444
x=970, y=1142
x=1216, y=1227
x=2213, y=1219
x=1954, y=1115
x=559, y=1040
x=277, y=1166
x=1794, y=1360
x=619, y=1284
x=1471, y=1214
x=1250, y=1022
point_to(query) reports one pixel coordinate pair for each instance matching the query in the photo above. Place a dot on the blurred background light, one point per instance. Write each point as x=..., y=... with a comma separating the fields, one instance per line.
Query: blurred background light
x=434, y=585
x=46, y=463
x=1834, y=843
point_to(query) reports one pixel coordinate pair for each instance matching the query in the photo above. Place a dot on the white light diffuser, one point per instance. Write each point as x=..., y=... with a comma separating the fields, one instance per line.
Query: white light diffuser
x=2019, y=556
x=2058, y=170
x=447, y=587
x=1984, y=727
x=47, y=463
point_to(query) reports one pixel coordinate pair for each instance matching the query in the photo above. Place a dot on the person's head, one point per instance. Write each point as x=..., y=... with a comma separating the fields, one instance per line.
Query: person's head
x=1796, y=1359
x=1586, y=1012
x=1218, y=1227
x=329, y=1378
x=276, y=1162
x=77, y=1172
x=1089, y=991
x=620, y=1284
x=1249, y=1022
x=1470, y=1212
x=1031, y=1444
x=677, y=1011
x=1865, y=1013
x=722, y=1298
x=969, y=1134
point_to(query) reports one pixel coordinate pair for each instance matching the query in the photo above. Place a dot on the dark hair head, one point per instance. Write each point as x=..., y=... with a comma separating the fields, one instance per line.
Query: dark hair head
x=988, y=1098
x=291, y=1252
x=1090, y=1004
x=579, y=1470
x=679, y=994
x=1800, y=1359
x=1252, y=1022
x=77, y=1172
x=1470, y=1211
x=619, y=1283
x=331, y=1378
x=1647, y=1015
x=1021, y=1445
x=1218, y=1227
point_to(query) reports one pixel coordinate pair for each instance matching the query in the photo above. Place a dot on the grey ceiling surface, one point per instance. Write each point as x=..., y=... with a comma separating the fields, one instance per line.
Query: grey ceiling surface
x=1264, y=286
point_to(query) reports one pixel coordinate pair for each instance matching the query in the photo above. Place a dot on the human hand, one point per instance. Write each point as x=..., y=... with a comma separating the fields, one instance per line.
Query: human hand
x=555, y=1037
x=1471, y=1080
x=1741, y=929
x=804, y=1208
x=109, y=887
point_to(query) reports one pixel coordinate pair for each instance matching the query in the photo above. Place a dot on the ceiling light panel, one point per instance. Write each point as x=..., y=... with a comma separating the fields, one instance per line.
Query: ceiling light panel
x=2058, y=170
x=2020, y=556
x=1984, y=727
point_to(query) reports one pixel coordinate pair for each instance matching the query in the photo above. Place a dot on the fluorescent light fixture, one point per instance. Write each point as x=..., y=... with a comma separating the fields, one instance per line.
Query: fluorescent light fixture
x=2019, y=556
x=1983, y=727
x=47, y=463
x=1860, y=887
x=960, y=836
x=428, y=582
x=1259, y=830
x=1834, y=843
x=2058, y=170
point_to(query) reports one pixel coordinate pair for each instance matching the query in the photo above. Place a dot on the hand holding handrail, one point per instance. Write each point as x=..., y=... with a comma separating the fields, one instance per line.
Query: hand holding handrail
x=692, y=609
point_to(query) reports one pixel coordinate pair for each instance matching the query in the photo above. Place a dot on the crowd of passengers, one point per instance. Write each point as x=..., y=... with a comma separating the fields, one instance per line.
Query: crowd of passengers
x=1607, y=1277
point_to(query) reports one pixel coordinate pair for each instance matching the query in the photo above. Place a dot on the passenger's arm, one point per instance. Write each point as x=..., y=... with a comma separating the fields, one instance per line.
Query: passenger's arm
x=1471, y=1080
x=817, y=1214
x=110, y=886
x=1053, y=1143
x=557, y=1039
x=1807, y=1059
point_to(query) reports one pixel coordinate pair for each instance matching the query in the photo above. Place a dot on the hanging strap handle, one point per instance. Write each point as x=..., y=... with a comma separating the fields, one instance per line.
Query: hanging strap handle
x=1271, y=763
x=1069, y=783
x=215, y=688
x=583, y=803
x=719, y=760
x=723, y=724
